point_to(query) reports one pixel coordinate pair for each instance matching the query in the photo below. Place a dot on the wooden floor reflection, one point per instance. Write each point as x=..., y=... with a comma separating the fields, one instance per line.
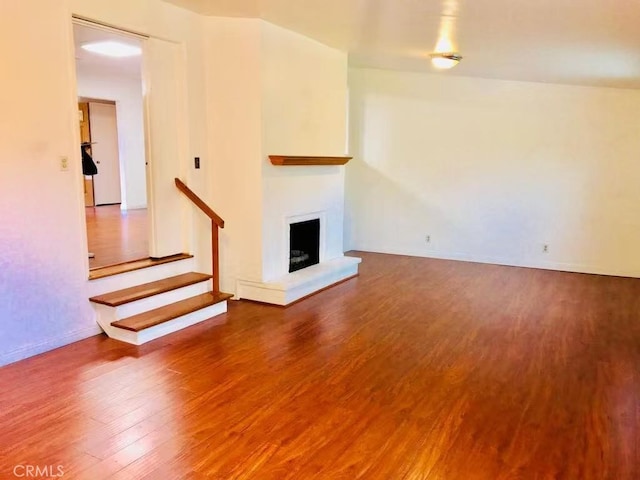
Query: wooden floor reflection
x=115, y=236
x=417, y=369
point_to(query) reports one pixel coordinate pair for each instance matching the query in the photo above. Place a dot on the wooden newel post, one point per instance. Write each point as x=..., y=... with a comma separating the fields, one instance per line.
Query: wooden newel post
x=215, y=260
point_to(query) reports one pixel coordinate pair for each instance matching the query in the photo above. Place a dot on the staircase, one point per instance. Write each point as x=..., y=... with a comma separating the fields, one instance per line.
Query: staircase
x=175, y=298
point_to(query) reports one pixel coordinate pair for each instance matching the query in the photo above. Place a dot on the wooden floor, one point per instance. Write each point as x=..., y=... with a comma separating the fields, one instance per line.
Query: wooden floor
x=115, y=236
x=417, y=369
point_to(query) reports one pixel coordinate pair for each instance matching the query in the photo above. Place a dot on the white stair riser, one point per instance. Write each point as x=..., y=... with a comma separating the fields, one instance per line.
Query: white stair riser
x=104, y=285
x=104, y=317
x=160, y=300
x=148, y=334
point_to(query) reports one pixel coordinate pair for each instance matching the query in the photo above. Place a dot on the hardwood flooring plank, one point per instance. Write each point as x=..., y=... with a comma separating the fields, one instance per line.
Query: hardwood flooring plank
x=115, y=236
x=416, y=369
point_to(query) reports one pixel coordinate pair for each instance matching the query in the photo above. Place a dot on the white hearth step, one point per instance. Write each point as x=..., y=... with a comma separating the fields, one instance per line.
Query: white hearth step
x=297, y=285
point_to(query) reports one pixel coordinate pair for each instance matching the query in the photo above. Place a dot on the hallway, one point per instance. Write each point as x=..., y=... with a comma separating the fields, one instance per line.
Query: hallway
x=115, y=236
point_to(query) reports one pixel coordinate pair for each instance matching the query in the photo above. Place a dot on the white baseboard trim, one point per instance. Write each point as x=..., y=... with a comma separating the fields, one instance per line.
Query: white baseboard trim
x=509, y=262
x=132, y=207
x=52, y=343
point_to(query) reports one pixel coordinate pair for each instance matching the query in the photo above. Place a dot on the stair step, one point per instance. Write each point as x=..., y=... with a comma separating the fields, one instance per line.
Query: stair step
x=127, y=295
x=170, y=312
x=118, y=268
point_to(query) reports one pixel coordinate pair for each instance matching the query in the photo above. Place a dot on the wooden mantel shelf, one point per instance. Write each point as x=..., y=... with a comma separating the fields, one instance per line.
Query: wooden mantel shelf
x=283, y=160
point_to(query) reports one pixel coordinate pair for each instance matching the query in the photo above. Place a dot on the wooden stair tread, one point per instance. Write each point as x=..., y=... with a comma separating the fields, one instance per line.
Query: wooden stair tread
x=160, y=315
x=120, y=297
x=109, y=270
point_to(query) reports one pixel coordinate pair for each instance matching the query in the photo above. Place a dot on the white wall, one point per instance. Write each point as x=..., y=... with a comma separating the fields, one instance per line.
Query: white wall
x=234, y=126
x=304, y=103
x=127, y=93
x=271, y=91
x=44, y=269
x=493, y=170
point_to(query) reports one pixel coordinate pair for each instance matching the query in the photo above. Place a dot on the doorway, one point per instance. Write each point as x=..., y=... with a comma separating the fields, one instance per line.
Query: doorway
x=112, y=130
x=99, y=144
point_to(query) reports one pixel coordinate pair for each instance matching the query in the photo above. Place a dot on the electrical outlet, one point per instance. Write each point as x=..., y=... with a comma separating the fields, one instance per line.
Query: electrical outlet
x=427, y=239
x=545, y=248
x=196, y=161
x=64, y=164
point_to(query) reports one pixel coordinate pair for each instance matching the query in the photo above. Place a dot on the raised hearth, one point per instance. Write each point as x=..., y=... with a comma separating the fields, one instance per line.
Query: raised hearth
x=296, y=285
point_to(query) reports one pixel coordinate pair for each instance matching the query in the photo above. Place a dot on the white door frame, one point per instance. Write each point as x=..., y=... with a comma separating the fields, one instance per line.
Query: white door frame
x=166, y=144
x=162, y=164
x=108, y=187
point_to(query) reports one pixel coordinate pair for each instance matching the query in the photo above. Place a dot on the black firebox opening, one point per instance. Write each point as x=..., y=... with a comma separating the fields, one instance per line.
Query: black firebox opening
x=304, y=242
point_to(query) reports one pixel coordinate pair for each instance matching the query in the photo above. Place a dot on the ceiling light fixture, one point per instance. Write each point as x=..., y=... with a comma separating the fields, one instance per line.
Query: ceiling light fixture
x=444, y=60
x=113, y=49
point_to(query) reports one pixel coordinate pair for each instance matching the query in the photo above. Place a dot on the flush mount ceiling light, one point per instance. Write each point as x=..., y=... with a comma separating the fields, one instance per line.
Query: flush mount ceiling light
x=444, y=60
x=112, y=49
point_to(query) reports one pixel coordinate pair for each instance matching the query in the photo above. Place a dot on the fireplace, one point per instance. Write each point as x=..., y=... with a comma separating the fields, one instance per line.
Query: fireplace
x=313, y=240
x=304, y=244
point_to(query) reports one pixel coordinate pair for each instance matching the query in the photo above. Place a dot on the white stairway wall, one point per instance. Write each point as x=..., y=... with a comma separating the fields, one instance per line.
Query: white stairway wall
x=234, y=125
x=494, y=170
x=272, y=91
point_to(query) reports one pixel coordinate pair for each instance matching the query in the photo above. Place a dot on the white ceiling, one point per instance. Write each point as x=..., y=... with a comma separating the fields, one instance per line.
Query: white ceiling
x=100, y=64
x=584, y=42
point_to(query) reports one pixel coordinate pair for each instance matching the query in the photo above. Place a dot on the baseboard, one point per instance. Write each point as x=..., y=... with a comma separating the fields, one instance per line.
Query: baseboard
x=509, y=262
x=56, y=342
x=126, y=208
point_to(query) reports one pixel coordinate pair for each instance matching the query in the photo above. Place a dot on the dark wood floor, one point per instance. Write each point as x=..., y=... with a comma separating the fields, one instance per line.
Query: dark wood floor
x=115, y=236
x=417, y=369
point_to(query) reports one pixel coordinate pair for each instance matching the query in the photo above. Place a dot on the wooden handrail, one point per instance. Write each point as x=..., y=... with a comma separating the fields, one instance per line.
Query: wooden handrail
x=216, y=222
x=200, y=203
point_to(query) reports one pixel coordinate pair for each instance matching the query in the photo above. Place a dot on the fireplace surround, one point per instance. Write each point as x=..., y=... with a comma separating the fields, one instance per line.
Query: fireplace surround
x=314, y=273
